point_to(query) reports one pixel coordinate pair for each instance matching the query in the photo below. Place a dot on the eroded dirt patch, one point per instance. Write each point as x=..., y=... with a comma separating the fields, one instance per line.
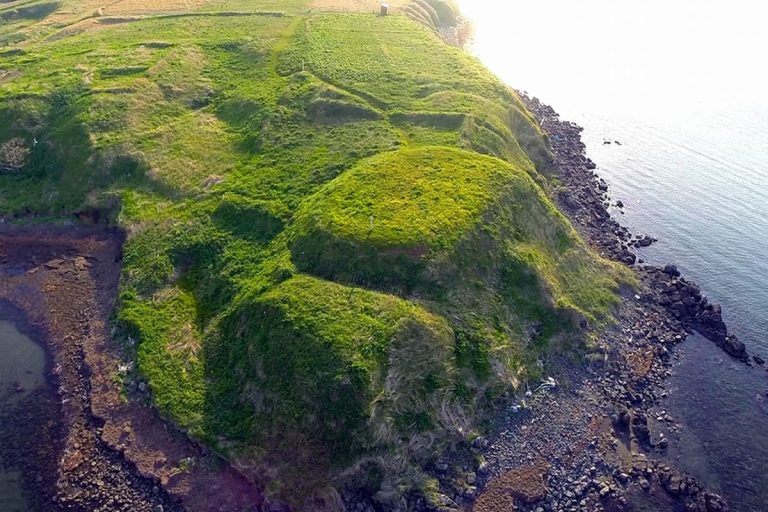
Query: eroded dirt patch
x=115, y=453
x=527, y=484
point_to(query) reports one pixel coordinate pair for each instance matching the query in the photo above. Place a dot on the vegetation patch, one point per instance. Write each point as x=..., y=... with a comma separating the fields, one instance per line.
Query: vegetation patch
x=322, y=358
x=378, y=223
x=339, y=244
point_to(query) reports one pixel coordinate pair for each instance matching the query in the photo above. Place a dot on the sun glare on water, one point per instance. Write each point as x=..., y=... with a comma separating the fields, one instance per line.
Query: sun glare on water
x=641, y=55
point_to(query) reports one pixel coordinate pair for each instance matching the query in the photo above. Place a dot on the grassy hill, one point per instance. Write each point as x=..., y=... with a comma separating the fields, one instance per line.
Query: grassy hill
x=340, y=248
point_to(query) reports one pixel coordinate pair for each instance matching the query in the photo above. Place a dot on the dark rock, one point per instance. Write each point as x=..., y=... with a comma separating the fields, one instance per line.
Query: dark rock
x=674, y=485
x=735, y=347
x=715, y=503
x=680, y=309
x=671, y=270
x=479, y=442
x=628, y=257
x=759, y=360
x=646, y=241
x=619, y=204
x=640, y=429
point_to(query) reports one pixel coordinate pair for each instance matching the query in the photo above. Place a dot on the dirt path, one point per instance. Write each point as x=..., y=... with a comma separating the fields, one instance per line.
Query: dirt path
x=116, y=453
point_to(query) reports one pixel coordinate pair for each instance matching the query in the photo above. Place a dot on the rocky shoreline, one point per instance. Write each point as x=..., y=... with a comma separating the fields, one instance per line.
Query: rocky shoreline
x=104, y=448
x=603, y=441
x=598, y=439
x=595, y=440
x=586, y=202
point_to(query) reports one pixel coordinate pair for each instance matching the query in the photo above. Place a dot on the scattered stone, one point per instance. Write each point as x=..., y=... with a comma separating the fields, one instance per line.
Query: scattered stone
x=669, y=307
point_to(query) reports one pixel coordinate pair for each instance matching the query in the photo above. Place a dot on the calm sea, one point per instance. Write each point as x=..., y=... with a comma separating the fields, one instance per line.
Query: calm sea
x=22, y=365
x=683, y=88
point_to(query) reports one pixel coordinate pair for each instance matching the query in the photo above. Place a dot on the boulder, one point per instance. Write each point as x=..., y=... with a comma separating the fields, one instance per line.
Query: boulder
x=674, y=485
x=735, y=347
x=715, y=503
x=671, y=270
x=646, y=241
x=628, y=257
x=640, y=429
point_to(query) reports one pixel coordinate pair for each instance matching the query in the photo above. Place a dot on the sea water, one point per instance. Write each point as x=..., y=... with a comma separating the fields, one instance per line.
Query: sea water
x=673, y=98
x=22, y=370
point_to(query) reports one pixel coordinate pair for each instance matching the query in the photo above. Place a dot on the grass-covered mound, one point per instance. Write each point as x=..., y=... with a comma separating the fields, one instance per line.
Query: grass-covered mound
x=380, y=223
x=339, y=246
x=344, y=371
x=322, y=358
x=465, y=233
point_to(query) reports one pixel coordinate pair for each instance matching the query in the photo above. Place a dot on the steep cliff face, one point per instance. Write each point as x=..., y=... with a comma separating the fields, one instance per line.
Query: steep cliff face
x=340, y=247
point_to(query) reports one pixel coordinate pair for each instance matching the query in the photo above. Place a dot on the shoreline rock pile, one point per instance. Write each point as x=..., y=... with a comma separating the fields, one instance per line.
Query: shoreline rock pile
x=585, y=200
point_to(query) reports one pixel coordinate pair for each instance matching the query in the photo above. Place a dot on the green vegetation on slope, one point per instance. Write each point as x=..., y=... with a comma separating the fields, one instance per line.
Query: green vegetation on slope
x=379, y=222
x=340, y=247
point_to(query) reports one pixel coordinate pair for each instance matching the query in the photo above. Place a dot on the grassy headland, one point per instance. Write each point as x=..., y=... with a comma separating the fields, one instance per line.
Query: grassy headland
x=340, y=248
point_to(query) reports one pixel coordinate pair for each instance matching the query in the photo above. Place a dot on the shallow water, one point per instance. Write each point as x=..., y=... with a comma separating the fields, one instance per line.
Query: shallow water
x=725, y=413
x=678, y=84
x=22, y=364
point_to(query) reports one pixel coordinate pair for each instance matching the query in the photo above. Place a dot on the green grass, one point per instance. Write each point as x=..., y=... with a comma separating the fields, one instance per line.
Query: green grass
x=317, y=354
x=381, y=222
x=426, y=196
x=245, y=156
x=169, y=353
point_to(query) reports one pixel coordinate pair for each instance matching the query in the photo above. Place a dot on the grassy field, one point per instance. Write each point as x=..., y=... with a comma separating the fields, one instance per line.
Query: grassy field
x=340, y=246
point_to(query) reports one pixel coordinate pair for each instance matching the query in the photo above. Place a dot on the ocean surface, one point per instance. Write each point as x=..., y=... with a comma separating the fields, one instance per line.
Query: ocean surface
x=683, y=88
x=22, y=366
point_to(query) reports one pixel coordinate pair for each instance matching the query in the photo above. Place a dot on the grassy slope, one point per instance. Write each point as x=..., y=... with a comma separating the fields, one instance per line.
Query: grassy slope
x=245, y=156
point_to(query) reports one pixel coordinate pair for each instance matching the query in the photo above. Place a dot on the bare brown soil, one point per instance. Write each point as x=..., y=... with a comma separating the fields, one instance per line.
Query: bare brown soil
x=116, y=453
x=527, y=484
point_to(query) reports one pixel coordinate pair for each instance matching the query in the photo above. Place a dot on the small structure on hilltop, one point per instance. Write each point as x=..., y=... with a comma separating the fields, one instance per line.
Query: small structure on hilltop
x=384, y=9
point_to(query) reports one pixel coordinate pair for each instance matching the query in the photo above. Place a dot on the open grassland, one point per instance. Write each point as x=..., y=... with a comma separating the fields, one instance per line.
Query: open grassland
x=340, y=246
